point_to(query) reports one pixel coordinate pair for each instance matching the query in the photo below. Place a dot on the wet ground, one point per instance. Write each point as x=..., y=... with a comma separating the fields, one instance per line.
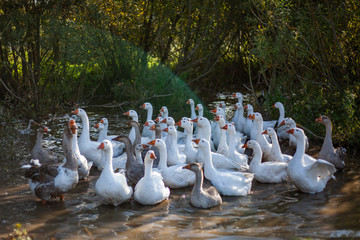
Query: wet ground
x=271, y=211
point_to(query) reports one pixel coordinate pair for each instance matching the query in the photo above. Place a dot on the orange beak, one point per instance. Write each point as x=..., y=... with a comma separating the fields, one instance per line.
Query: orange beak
x=75, y=112
x=101, y=146
x=144, y=145
x=96, y=125
x=164, y=121
x=102, y=121
x=46, y=129
x=186, y=167
x=188, y=101
x=146, y=124
x=195, y=120
x=142, y=106
x=166, y=130
x=246, y=107
x=234, y=95
x=152, y=127
x=127, y=113
x=217, y=118
x=291, y=131
x=319, y=119
x=245, y=145
x=225, y=127
x=264, y=132
x=152, y=142
x=252, y=116
x=178, y=123
x=273, y=105
x=152, y=156
x=213, y=110
x=282, y=123
x=196, y=141
x=162, y=109
x=197, y=107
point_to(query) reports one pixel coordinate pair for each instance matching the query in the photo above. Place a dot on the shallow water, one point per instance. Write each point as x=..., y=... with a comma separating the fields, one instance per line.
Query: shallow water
x=271, y=211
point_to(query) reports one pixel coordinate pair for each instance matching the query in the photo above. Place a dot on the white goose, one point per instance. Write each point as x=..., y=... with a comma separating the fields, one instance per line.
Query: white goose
x=204, y=130
x=83, y=165
x=281, y=130
x=290, y=123
x=265, y=172
x=240, y=119
x=174, y=156
x=192, y=108
x=227, y=183
x=87, y=147
x=111, y=187
x=309, y=177
x=248, y=122
x=149, y=108
x=275, y=153
x=135, y=117
x=189, y=149
x=150, y=189
x=200, y=109
x=118, y=148
x=241, y=159
x=237, y=113
x=260, y=138
x=223, y=147
x=215, y=129
x=174, y=176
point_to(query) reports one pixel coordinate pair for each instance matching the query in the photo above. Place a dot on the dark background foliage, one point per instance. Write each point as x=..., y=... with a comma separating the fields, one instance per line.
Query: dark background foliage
x=54, y=54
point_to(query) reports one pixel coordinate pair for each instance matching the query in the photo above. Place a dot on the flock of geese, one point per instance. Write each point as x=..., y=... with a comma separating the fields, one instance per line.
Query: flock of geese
x=147, y=163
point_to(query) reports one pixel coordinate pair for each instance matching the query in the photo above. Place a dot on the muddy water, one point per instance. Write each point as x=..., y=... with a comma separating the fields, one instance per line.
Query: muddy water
x=271, y=211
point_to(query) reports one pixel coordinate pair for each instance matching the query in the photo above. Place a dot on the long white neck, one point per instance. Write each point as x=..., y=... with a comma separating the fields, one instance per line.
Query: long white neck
x=163, y=158
x=240, y=99
x=102, y=135
x=85, y=134
x=300, y=151
x=148, y=168
x=281, y=114
x=173, y=142
x=208, y=165
x=201, y=112
x=193, y=113
x=75, y=145
x=232, y=142
x=205, y=131
x=149, y=113
x=275, y=149
x=108, y=168
x=256, y=160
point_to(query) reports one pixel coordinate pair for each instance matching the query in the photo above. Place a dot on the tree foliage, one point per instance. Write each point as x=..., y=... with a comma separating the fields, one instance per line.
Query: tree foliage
x=304, y=53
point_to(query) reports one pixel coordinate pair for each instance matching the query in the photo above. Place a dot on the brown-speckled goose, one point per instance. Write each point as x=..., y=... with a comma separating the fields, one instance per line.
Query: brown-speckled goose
x=328, y=152
x=200, y=197
x=51, y=181
x=45, y=156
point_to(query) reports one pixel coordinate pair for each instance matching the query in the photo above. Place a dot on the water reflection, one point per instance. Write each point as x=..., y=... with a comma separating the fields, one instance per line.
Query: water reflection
x=271, y=211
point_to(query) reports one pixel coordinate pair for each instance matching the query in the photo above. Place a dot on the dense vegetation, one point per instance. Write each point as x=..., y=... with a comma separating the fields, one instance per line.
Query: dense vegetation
x=304, y=53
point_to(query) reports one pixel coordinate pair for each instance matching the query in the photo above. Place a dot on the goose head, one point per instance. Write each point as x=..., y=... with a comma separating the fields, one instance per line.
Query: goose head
x=278, y=105
x=105, y=145
x=218, y=111
x=237, y=95
x=201, y=121
x=159, y=143
x=72, y=126
x=146, y=106
x=149, y=123
x=219, y=118
x=257, y=116
x=288, y=122
x=79, y=112
x=252, y=144
x=323, y=119
x=190, y=101
x=170, y=130
x=195, y=167
x=249, y=108
x=202, y=143
x=251, y=116
x=297, y=132
x=159, y=119
x=238, y=106
x=269, y=131
x=104, y=121
x=199, y=107
x=131, y=113
x=99, y=126
x=149, y=156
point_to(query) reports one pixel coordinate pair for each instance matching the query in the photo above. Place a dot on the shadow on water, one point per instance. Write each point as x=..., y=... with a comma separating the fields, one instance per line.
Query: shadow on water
x=271, y=211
